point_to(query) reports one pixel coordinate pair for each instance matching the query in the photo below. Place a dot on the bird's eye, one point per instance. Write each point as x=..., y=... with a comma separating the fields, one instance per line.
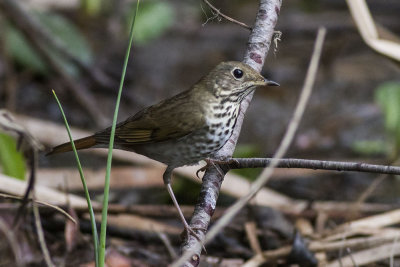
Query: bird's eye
x=237, y=73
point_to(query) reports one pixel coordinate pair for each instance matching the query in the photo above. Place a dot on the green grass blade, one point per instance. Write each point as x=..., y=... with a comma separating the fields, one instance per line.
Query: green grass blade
x=91, y=213
x=111, y=145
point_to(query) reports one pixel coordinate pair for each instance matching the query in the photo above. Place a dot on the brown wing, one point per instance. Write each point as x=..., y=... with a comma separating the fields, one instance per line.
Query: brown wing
x=170, y=119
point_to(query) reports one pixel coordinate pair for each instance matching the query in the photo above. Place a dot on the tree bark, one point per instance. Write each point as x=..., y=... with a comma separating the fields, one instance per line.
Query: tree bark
x=255, y=54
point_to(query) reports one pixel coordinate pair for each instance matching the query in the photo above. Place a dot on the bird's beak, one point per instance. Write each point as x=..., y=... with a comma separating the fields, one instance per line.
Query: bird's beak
x=271, y=83
x=265, y=82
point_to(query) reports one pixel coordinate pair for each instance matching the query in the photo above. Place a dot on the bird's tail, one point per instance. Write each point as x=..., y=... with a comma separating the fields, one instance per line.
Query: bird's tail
x=82, y=143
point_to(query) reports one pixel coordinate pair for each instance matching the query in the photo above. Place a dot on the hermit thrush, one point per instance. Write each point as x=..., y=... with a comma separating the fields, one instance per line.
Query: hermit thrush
x=185, y=128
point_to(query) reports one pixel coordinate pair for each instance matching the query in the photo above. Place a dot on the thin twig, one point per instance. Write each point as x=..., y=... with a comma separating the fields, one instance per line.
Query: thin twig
x=167, y=243
x=219, y=13
x=38, y=223
x=215, y=16
x=251, y=233
x=392, y=250
x=367, y=192
x=239, y=163
x=385, y=237
x=353, y=261
x=63, y=212
x=29, y=146
x=367, y=256
x=42, y=241
x=10, y=236
x=31, y=184
x=341, y=250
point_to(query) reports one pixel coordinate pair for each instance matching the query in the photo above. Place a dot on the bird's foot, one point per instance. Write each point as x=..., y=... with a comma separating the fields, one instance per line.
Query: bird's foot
x=191, y=231
x=188, y=230
x=202, y=169
x=210, y=162
x=214, y=162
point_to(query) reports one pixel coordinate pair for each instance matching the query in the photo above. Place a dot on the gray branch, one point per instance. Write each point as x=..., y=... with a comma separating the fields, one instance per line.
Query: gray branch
x=257, y=48
x=241, y=163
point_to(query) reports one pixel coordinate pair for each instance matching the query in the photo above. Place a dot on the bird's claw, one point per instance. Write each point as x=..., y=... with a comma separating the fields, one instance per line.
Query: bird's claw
x=214, y=163
x=202, y=169
x=190, y=231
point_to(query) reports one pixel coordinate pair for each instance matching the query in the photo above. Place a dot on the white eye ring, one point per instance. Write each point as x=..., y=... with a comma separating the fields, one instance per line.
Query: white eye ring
x=237, y=73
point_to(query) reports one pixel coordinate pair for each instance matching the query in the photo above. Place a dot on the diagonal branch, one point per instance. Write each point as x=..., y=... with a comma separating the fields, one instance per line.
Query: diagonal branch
x=257, y=48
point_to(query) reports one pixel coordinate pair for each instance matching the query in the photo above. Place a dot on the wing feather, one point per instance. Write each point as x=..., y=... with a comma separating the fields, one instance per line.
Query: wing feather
x=158, y=123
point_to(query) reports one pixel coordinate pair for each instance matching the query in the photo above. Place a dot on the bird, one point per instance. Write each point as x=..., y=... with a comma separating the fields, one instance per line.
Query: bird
x=186, y=128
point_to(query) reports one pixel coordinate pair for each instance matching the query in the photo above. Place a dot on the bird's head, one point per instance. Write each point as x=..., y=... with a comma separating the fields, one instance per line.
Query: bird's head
x=233, y=80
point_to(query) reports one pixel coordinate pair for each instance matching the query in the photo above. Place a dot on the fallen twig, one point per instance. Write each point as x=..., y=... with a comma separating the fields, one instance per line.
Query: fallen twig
x=366, y=256
x=63, y=212
x=40, y=233
x=17, y=187
x=383, y=237
x=14, y=245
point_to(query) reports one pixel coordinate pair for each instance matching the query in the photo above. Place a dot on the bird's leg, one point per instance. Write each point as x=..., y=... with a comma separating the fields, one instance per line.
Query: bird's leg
x=214, y=162
x=167, y=181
